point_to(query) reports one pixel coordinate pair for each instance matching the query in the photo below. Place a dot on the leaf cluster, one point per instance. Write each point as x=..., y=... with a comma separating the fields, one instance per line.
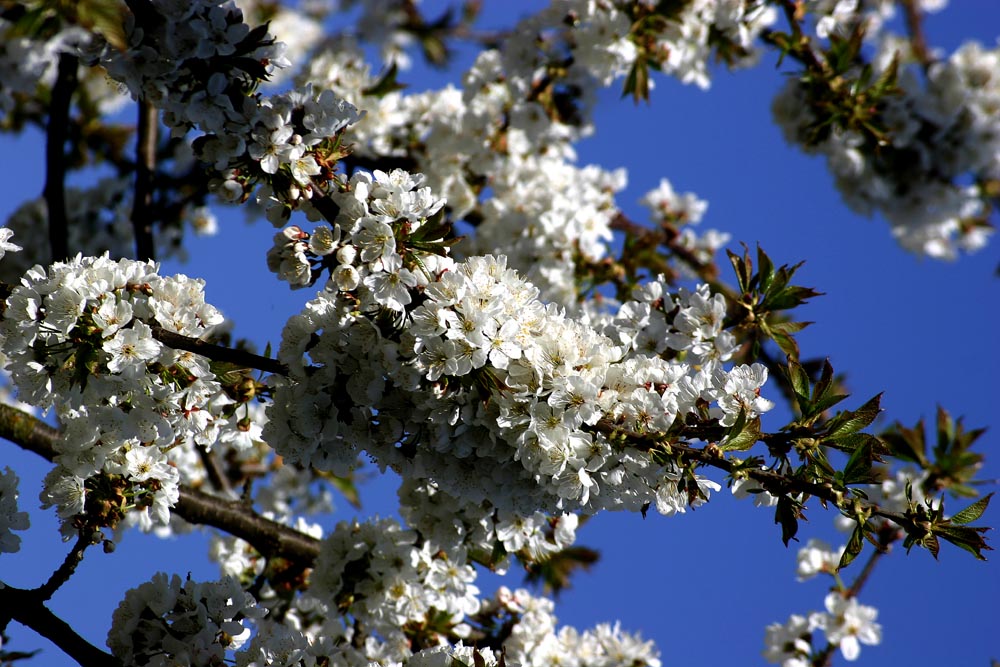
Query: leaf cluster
x=763, y=295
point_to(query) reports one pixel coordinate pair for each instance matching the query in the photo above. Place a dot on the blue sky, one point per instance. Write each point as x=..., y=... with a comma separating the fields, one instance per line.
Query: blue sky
x=703, y=585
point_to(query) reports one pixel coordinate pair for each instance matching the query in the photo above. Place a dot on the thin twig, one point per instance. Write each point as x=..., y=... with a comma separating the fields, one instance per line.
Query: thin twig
x=915, y=27
x=219, y=352
x=145, y=167
x=216, y=475
x=887, y=535
x=56, y=133
x=66, y=570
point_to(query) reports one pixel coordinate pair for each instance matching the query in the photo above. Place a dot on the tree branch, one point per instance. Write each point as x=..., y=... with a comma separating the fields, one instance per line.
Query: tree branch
x=234, y=517
x=239, y=520
x=142, y=210
x=66, y=570
x=775, y=483
x=914, y=26
x=27, y=608
x=56, y=133
x=219, y=352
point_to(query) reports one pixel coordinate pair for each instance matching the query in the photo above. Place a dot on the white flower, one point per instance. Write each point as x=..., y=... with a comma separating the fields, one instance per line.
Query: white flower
x=130, y=349
x=62, y=309
x=848, y=624
x=391, y=288
x=790, y=644
x=817, y=557
x=304, y=167
x=5, y=244
x=64, y=491
x=271, y=147
x=375, y=239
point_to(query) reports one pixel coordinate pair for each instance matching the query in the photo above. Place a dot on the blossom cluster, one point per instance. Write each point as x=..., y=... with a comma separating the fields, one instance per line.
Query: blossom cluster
x=402, y=583
x=194, y=60
x=486, y=534
x=380, y=592
x=200, y=63
x=79, y=336
x=681, y=212
x=533, y=640
x=363, y=250
x=29, y=62
x=503, y=394
x=941, y=147
x=606, y=44
x=840, y=17
x=542, y=209
x=167, y=621
x=846, y=623
x=505, y=131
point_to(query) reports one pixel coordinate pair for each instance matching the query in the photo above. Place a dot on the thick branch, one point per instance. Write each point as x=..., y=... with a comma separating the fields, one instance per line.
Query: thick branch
x=219, y=352
x=238, y=519
x=55, y=156
x=27, y=608
x=234, y=517
x=142, y=210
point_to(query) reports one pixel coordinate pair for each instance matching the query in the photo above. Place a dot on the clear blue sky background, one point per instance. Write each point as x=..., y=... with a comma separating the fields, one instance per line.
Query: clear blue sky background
x=703, y=585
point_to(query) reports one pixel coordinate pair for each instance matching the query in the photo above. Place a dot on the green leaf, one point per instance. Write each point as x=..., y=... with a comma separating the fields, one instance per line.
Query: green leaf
x=743, y=268
x=966, y=537
x=886, y=81
x=787, y=344
x=907, y=443
x=347, y=488
x=854, y=546
x=859, y=467
x=387, y=83
x=744, y=437
x=931, y=544
x=106, y=18
x=637, y=82
x=786, y=514
x=851, y=441
x=554, y=572
x=798, y=378
x=790, y=297
x=851, y=422
x=765, y=270
x=973, y=511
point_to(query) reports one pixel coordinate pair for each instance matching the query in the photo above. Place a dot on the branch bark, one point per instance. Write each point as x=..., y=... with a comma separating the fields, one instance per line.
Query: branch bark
x=219, y=352
x=775, y=483
x=915, y=27
x=27, y=608
x=142, y=209
x=56, y=133
x=232, y=516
